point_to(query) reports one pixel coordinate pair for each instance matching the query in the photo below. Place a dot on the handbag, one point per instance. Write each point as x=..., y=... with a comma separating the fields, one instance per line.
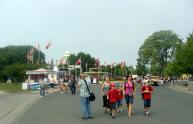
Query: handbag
x=91, y=95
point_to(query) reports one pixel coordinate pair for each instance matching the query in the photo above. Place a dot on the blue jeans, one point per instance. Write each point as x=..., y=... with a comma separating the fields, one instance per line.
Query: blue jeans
x=129, y=99
x=85, y=104
x=42, y=91
x=73, y=89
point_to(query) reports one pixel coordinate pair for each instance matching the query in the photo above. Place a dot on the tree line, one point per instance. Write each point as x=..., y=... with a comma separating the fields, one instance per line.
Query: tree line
x=14, y=62
x=165, y=54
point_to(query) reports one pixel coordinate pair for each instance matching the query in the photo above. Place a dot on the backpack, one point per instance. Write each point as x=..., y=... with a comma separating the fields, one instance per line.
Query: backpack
x=142, y=94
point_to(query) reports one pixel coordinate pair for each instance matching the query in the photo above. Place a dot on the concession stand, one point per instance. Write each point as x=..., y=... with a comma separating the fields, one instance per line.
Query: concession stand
x=35, y=76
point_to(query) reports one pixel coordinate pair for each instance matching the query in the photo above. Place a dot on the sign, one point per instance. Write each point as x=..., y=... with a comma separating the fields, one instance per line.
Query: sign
x=73, y=67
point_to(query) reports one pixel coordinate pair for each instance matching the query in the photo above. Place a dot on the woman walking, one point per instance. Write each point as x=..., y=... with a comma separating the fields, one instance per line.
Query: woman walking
x=52, y=82
x=66, y=87
x=84, y=96
x=73, y=85
x=61, y=83
x=104, y=90
x=129, y=89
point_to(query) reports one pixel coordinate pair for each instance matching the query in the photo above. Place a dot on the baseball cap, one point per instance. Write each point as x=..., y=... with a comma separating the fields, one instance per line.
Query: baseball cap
x=112, y=85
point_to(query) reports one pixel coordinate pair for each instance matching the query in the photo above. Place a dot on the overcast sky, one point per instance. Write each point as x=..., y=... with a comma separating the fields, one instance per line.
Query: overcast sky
x=110, y=29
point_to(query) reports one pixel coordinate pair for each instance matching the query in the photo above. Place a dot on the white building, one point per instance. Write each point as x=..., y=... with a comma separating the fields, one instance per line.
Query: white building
x=63, y=59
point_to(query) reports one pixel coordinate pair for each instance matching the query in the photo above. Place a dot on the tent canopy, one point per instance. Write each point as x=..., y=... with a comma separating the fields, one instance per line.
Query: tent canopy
x=40, y=71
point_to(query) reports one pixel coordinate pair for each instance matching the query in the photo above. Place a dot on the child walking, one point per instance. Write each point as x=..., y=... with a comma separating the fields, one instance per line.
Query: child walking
x=119, y=98
x=146, y=92
x=112, y=96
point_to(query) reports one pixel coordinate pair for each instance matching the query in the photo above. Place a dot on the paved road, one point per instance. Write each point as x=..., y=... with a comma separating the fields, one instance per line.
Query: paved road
x=14, y=104
x=168, y=107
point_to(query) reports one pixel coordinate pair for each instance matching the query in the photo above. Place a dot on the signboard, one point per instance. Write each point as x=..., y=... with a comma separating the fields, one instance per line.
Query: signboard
x=76, y=66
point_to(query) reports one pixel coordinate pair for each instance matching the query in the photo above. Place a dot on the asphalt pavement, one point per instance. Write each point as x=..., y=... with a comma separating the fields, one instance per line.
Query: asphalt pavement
x=168, y=107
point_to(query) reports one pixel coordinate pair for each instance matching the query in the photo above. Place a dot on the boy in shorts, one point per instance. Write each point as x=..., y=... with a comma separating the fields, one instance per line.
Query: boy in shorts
x=146, y=92
x=120, y=98
x=112, y=96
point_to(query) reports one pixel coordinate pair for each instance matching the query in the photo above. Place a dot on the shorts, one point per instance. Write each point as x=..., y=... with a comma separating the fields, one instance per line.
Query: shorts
x=105, y=102
x=52, y=85
x=129, y=99
x=119, y=102
x=65, y=84
x=113, y=105
x=147, y=103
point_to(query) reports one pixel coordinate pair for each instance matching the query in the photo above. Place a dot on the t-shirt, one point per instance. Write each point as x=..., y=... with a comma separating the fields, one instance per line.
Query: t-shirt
x=113, y=95
x=129, y=88
x=147, y=95
x=120, y=94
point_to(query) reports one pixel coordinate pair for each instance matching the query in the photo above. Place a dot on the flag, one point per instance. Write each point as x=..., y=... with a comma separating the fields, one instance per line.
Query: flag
x=86, y=65
x=122, y=64
x=28, y=56
x=104, y=64
x=38, y=48
x=79, y=61
x=111, y=66
x=49, y=44
x=32, y=50
x=97, y=60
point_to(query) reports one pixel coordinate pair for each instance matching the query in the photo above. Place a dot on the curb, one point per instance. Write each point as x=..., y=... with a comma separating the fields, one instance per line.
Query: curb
x=177, y=89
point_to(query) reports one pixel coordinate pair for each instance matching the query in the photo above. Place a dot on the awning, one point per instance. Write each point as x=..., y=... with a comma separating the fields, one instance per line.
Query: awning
x=40, y=71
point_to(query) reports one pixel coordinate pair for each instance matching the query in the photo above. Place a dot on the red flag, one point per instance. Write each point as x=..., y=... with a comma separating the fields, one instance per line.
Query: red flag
x=79, y=61
x=122, y=64
x=97, y=60
x=32, y=50
x=27, y=56
x=49, y=44
x=112, y=65
x=38, y=48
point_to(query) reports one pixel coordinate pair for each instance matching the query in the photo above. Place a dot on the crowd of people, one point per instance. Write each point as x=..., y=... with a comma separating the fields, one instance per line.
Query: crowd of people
x=66, y=84
x=112, y=94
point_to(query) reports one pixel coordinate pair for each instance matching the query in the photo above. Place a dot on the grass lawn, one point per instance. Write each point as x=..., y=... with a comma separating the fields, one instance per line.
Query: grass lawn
x=16, y=87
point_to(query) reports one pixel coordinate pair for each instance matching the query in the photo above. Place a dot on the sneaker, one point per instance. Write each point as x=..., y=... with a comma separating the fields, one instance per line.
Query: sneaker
x=118, y=110
x=113, y=116
x=147, y=114
x=121, y=110
x=90, y=117
x=84, y=118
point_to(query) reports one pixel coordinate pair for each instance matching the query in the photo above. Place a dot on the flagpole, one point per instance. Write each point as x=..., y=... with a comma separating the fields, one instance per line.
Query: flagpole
x=98, y=70
x=111, y=71
x=32, y=57
x=39, y=53
x=115, y=71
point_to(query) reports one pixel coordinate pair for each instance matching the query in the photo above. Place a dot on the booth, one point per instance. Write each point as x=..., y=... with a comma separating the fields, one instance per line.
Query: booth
x=35, y=76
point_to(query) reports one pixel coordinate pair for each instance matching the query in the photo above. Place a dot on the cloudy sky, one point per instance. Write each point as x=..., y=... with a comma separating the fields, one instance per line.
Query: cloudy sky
x=110, y=29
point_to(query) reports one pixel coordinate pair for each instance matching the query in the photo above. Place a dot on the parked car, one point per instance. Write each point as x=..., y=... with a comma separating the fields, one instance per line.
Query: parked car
x=154, y=81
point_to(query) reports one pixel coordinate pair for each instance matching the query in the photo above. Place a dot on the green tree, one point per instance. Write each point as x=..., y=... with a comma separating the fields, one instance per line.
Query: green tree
x=14, y=58
x=157, y=50
x=85, y=58
x=183, y=59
